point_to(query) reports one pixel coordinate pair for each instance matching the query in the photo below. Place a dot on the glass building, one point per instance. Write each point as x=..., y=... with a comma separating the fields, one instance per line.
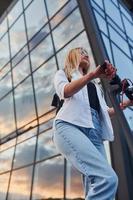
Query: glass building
x=35, y=36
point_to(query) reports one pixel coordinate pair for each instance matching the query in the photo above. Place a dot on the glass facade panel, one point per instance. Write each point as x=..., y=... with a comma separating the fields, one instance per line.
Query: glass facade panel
x=43, y=80
x=110, y=9
x=24, y=153
x=17, y=36
x=54, y=6
x=6, y=160
x=3, y=27
x=21, y=71
x=19, y=56
x=36, y=12
x=42, y=52
x=7, y=123
x=20, y=185
x=3, y=185
x=64, y=32
x=46, y=147
x=101, y=23
x=48, y=181
x=63, y=13
x=24, y=100
x=27, y=135
x=4, y=51
x=4, y=71
x=5, y=85
x=7, y=144
x=26, y=2
x=129, y=27
x=74, y=187
x=15, y=12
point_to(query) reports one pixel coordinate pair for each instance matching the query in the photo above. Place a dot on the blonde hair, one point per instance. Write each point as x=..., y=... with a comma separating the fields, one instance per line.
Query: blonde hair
x=72, y=62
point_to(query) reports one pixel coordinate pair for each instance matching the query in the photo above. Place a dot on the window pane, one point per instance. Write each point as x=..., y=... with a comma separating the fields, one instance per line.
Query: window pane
x=43, y=79
x=3, y=185
x=46, y=146
x=3, y=27
x=27, y=135
x=5, y=85
x=107, y=45
x=64, y=32
x=19, y=56
x=73, y=183
x=21, y=71
x=15, y=12
x=24, y=99
x=42, y=52
x=99, y=2
x=63, y=13
x=20, y=185
x=7, y=123
x=39, y=37
x=48, y=182
x=6, y=160
x=80, y=41
x=7, y=144
x=36, y=12
x=119, y=40
x=101, y=23
x=4, y=51
x=26, y=2
x=129, y=27
x=17, y=36
x=54, y=6
x=25, y=153
x=110, y=9
x=5, y=70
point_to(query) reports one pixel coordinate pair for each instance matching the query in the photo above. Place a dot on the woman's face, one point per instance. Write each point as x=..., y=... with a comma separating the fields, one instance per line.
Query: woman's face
x=85, y=62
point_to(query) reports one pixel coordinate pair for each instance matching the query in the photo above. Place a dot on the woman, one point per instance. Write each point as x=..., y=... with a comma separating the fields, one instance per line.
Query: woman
x=83, y=123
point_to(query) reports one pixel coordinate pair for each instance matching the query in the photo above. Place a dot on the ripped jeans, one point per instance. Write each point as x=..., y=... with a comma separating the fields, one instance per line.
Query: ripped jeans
x=84, y=148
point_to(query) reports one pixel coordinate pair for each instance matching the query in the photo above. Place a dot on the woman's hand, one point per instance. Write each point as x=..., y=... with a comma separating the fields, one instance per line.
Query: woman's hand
x=108, y=73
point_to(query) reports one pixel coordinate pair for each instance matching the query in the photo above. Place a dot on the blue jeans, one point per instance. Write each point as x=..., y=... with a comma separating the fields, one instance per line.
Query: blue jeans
x=84, y=148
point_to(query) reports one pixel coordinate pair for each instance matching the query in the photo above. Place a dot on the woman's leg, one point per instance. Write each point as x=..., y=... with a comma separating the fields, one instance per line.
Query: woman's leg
x=85, y=157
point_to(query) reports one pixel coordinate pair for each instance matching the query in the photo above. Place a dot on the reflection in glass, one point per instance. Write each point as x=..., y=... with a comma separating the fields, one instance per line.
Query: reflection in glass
x=107, y=45
x=5, y=85
x=80, y=41
x=63, y=13
x=7, y=123
x=110, y=9
x=3, y=185
x=4, y=51
x=73, y=183
x=17, y=36
x=39, y=37
x=46, y=125
x=48, y=181
x=119, y=40
x=100, y=3
x=102, y=23
x=46, y=147
x=7, y=144
x=20, y=185
x=21, y=71
x=6, y=160
x=54, y=6
x=24, y=100
x=15, y=12
x=3, y=27
x=5, y=70
x=43, y=80
x=26, y=2
x=24, y=153
x=36, y=12
x=64, y=32
x=20, y=56
x=129, y=27
x=42, y=52
x=27, y=135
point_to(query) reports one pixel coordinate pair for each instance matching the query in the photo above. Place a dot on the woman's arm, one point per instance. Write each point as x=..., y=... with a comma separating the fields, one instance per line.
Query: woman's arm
x=74, y=86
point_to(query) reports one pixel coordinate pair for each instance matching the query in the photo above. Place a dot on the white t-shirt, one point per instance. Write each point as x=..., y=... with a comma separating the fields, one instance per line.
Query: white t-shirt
x=76, y=109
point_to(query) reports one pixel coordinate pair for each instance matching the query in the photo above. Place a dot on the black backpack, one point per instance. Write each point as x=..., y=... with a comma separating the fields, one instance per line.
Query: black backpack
x=57, y=102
